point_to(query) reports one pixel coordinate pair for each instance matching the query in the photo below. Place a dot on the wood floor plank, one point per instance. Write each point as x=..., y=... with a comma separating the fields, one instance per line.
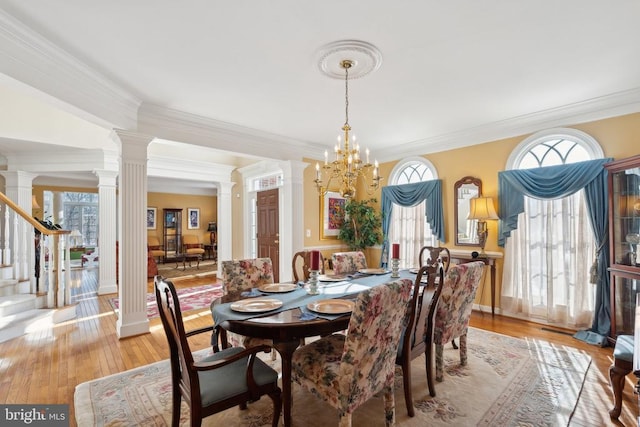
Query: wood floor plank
x=46, y=366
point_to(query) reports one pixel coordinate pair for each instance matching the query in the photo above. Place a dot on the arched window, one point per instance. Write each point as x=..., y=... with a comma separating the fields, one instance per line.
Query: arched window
x=548, y=257
x=408, y=224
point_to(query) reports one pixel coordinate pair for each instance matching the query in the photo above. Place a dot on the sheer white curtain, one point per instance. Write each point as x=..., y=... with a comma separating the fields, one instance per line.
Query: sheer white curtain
x=410, y=229
x=547, y=262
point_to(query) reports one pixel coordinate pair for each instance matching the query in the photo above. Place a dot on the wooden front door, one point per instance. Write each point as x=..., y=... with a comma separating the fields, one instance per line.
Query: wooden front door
x=268, y=231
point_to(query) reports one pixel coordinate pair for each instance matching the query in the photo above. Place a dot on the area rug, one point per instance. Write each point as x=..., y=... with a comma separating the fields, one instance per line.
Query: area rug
x=169, y=270
x=507, y=382
x=190, y=299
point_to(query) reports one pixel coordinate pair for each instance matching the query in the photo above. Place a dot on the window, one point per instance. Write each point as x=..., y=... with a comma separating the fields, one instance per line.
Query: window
x=408, y=226
x=547, y=258
x=79, y=212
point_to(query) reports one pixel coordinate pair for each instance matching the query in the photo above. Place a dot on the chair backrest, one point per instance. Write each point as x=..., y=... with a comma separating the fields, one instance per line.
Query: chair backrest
x=190, y=239
x=153, y=242
x=348, y=262
x=422, y=312
x=432, y=255
x=181, y=357
x=300, y=265
x=377, y=320
x=244, y=274
x=456, y=301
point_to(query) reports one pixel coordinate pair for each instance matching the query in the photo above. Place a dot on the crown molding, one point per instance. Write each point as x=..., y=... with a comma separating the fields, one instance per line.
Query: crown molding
x=33, y=61
x=616, y=104
x=166, y=123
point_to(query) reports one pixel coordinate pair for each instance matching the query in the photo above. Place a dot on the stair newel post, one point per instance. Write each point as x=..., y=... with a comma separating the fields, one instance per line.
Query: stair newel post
x=6, y=251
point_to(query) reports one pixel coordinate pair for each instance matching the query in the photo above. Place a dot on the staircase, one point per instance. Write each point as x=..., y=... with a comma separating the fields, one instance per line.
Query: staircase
x=22, y=312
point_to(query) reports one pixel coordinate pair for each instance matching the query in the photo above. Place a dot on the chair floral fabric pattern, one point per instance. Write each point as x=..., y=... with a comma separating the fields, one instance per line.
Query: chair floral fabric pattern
x=242, y=275
x=454, y=309
x=348, y=262
x=348, y=370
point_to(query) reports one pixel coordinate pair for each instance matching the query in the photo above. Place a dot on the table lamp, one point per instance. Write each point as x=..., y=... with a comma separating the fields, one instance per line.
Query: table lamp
x=481, y=209
x=75, y=234
x=212, y=229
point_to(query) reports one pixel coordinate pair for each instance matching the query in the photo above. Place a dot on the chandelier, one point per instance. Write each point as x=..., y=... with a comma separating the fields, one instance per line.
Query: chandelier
x=348, y=166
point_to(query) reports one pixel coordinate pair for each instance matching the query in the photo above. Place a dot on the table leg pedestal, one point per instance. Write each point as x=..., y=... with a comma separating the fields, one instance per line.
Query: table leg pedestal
x=286, y=349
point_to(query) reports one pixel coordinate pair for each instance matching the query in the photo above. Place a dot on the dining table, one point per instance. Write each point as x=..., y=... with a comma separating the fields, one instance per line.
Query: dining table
x=293, y=315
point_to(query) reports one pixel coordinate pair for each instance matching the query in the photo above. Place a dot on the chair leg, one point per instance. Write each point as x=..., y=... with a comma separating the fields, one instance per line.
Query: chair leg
x=617, y=374
x=439, y=363
x=463, y=349
x=406, y=381
x=429, y=368
x=453, y=343
x=345, y=420
x=177, y=401
x=389, y=405
x=276, y=397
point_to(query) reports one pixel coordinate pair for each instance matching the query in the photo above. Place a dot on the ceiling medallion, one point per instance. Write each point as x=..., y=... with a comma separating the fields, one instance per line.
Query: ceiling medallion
x=365, y=58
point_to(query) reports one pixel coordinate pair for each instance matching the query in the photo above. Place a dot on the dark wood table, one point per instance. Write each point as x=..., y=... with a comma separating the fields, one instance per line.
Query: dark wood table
x=286, y=330
x=489, y=258
x=184, y=258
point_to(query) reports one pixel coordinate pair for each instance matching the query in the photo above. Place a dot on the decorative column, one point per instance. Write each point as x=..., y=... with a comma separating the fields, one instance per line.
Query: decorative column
x=225, y=224
x=107, y=214
x=21, y=249
x=291, y=216
x=132, y=236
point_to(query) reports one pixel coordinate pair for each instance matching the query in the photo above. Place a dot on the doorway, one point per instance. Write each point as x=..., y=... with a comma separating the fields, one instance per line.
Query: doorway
x=268, y=232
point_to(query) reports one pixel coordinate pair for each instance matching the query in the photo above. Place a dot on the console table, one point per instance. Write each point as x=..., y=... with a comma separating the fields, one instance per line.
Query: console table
x=489, y=258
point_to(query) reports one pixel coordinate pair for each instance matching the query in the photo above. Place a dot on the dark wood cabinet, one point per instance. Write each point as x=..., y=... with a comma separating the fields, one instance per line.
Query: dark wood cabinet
x=624, y=239
x=172, y=233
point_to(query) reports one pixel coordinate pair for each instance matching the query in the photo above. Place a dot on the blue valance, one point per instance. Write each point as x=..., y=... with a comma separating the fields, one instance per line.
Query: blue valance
x=411, y=195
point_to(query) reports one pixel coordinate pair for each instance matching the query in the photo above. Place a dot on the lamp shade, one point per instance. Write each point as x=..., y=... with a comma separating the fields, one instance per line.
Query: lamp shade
x=75, y=233
x=481, y=208
x=212, y=227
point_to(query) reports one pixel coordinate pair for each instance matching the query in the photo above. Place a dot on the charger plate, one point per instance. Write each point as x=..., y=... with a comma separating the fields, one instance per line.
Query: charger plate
x=278, y=287
x=331, y=277
x=331, y=306
x=256, y=305
x=373, y=271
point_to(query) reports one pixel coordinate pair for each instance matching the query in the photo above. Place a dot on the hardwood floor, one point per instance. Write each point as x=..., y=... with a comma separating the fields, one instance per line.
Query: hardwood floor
x=45, y=366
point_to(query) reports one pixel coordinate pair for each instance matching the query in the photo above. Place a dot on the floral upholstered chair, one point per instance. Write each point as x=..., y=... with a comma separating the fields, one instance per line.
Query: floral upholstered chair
x=346, y=371
x=454, y=309
x=240, y=276
x=348, y=262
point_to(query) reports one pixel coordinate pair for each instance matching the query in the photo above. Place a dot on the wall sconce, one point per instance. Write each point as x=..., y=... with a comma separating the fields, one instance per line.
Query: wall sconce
x=481, y=209
x=212, y=229
x=34, y=202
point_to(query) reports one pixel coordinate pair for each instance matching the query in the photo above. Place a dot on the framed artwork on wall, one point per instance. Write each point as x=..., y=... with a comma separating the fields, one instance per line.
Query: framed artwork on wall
x=151, y=218
x=194, y=218
x=331, y=214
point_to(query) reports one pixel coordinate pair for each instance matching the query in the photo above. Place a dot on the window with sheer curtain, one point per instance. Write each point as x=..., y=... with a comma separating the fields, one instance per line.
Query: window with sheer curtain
x=548, y=257
x=408, y=225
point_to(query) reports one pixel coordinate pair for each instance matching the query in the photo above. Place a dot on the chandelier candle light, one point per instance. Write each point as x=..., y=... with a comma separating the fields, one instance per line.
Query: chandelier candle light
x=348, y=165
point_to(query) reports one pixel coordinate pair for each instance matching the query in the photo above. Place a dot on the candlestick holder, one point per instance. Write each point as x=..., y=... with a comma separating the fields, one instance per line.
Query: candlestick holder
x=313, y=282
x=395, y=263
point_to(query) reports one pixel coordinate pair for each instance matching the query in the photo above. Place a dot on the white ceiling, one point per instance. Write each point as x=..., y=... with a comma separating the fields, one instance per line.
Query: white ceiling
x=453, y=73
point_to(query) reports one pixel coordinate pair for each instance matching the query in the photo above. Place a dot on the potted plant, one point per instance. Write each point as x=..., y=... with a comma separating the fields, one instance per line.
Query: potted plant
x=362, y=225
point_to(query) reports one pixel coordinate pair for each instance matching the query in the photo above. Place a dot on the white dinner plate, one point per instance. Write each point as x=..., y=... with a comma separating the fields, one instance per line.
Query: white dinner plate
x=373, y=271
x=414, y=270
x=278, y=287
x=256, y=305
x=331, y=277
x=331, y=306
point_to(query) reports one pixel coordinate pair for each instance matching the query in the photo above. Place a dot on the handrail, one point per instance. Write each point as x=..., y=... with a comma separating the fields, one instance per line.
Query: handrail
x=27, y=217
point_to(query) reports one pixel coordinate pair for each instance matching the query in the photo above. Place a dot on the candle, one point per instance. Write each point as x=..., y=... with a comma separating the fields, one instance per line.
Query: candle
x=367, y=151
x=396, y=251
x=317, y=171
x=326, y=157
x=315, y=260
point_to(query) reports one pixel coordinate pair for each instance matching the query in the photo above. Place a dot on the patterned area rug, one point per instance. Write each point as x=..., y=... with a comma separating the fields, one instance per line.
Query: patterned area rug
x=507, y=382
x=190, y=299
x=170, y=271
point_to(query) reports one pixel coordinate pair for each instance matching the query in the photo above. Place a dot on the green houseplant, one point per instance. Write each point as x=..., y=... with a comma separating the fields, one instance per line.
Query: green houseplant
x=362, y=225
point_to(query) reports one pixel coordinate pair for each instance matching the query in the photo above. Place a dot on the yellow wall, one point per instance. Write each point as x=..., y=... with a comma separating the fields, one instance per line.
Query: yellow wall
x=619, y=137
x=206, y=204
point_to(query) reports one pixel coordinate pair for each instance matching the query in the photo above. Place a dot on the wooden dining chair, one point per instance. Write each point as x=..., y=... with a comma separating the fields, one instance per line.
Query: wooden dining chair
x=433, y=255
x=346, y=371
x=300, y=265
x=225, y=379
x=420, y=326
x=454, y=310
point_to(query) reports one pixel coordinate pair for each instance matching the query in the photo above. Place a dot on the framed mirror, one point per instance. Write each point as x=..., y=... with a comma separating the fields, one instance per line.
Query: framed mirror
x=464, y=190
